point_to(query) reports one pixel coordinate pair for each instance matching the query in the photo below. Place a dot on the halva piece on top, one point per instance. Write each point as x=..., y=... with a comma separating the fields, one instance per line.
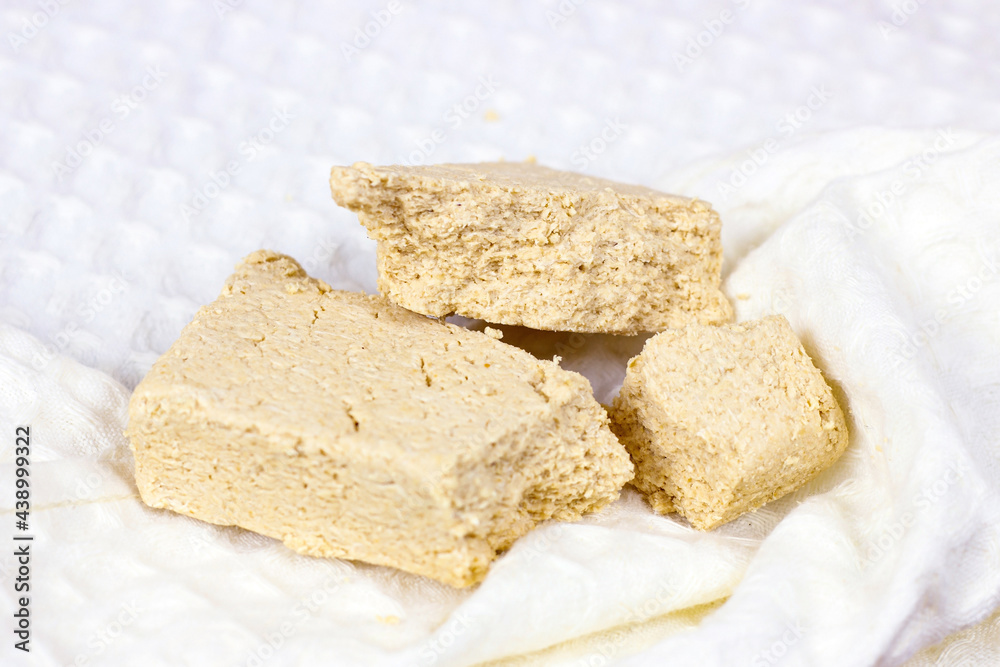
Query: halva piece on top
x=517, y=243
x=720, y=420
x=346, y=426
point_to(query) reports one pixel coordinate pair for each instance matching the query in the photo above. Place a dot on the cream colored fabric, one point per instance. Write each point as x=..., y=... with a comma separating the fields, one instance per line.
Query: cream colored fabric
x=978, y=646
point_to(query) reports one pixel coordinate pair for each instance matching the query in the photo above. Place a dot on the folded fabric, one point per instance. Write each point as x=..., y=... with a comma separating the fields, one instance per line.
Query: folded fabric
x=883, y=251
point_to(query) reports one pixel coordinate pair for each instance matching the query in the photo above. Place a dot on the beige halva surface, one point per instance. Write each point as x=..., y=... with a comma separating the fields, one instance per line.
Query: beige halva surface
x=349, y=427
x=720, y=420
x=517, y=243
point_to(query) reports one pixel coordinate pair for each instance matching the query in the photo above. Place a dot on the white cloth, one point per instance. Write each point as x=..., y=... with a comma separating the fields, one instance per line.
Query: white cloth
x=889, y=550
x=881, y=555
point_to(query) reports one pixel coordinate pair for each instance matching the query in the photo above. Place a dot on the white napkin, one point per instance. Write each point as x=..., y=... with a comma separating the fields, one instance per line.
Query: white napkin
x=884, y=253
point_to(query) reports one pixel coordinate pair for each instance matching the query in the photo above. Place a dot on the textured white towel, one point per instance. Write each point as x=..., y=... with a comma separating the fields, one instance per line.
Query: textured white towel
x=890, y=275
x=147, y=147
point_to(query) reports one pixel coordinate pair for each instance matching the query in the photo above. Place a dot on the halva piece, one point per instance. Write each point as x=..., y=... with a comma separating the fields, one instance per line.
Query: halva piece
x=720, y=420
x=517, y=243
x=346, y=426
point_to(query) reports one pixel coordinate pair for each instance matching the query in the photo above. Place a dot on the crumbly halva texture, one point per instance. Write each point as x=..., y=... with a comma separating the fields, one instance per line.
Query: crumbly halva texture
x=517, y=243
x=720, y=420
x=346, y=426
